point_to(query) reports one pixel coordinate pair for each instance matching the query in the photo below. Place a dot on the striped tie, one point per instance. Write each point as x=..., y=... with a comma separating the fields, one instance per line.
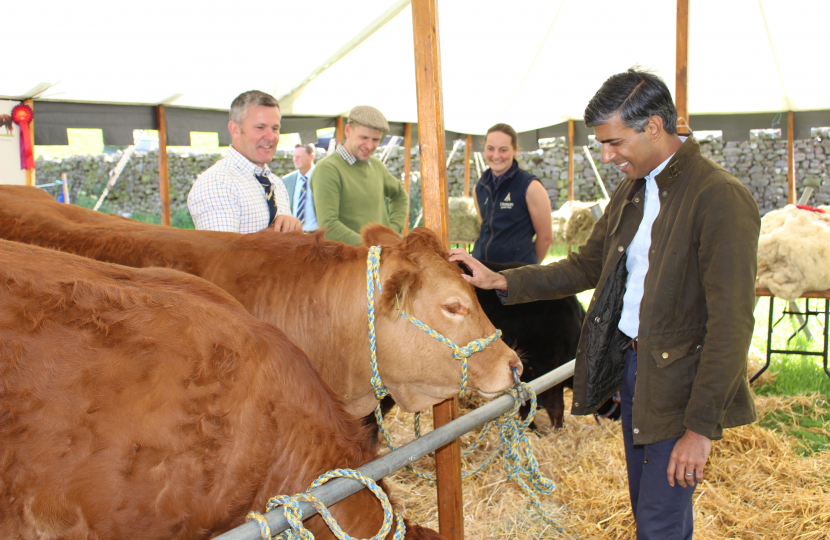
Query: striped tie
x=269, y=195
x=301, y=203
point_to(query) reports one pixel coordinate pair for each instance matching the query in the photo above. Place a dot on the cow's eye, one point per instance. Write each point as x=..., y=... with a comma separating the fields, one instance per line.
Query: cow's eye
x=456, y=308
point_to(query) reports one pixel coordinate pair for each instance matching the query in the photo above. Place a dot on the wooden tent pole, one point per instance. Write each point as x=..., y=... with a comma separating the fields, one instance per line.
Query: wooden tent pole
x=407, y=165
x=570, y=160
x=164, y=183
x=434, y=197
x=30, y=173
x=65, y=188
x=790, y=158
x=338, y=129
x=681, y=93
x=468, y=149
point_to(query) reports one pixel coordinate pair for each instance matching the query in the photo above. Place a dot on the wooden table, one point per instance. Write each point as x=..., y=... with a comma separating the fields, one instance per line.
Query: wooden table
x=821, y=295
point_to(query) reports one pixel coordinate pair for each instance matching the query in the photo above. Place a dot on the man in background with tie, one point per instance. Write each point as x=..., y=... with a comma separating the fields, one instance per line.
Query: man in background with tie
x=239, y=193
x=298, y=185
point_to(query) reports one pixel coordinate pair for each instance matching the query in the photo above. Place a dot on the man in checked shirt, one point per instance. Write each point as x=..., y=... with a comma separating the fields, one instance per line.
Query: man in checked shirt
x=239, y=193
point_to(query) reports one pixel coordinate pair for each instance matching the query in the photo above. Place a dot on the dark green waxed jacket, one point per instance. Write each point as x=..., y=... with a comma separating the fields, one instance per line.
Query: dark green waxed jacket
x=696, y=315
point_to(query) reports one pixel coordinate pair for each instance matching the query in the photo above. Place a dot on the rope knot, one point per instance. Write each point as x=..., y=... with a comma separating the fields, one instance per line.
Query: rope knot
x=294, y=516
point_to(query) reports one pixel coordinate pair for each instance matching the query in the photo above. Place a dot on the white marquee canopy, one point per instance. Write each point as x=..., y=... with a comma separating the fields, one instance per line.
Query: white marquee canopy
x=530, y=63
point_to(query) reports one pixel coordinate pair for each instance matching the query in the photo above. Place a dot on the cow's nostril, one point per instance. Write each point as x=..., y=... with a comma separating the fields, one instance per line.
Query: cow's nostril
x=517, y=365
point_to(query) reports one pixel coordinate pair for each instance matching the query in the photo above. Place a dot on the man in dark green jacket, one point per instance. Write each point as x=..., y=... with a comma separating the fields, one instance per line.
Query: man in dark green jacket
x=673, y=264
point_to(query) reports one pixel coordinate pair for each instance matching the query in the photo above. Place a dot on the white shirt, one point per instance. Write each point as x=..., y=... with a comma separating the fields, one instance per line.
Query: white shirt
x=228, y=197
x=310, y=221
x=637, y=261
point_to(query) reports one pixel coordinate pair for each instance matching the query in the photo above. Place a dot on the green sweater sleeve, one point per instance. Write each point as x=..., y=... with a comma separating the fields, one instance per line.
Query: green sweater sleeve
x=398, y=201
x=327, y=184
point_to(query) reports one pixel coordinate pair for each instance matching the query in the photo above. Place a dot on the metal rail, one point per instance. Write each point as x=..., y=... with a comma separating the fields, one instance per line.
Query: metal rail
x=338, y=489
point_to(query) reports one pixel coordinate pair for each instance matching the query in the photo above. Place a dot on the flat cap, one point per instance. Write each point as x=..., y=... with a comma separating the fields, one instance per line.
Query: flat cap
x=369, y=117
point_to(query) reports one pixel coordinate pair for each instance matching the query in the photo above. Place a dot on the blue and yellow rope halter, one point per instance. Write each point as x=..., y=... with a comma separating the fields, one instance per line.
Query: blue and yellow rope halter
x=520, y=463
x=294, y=516
x=459, y=353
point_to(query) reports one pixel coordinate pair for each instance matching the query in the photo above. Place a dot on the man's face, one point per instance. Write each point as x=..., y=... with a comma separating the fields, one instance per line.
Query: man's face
x=361, y=141
x=633, y=152
x=257, y=136
x=302, y=159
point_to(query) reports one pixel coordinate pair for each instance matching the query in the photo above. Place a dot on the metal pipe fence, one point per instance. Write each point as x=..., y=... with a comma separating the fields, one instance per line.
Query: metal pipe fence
x=340, y=488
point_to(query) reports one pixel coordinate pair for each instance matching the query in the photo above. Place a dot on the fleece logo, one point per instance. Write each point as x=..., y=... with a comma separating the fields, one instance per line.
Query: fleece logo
x=506, y=204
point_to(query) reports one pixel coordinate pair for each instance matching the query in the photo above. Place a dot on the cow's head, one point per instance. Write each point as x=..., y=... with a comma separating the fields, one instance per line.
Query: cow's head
x=418, y=278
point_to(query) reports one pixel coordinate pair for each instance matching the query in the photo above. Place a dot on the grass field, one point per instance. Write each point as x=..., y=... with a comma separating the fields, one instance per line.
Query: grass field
x=795, y=375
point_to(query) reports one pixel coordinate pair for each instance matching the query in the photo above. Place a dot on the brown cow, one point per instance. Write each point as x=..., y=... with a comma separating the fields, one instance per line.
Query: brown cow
x=311, y=288
x=148, y=404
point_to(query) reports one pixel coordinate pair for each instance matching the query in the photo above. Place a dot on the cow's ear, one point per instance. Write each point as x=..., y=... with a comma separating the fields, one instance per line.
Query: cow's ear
x=399, y=290
x=376, y=234
x=422, y=238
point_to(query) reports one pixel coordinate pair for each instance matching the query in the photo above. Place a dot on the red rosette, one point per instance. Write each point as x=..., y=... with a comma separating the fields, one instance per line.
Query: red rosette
x=22, y=115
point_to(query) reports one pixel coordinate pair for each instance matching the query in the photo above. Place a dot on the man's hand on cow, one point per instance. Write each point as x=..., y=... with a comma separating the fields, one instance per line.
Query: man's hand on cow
x=286, y=223
x=688, y=458
x=482, y=277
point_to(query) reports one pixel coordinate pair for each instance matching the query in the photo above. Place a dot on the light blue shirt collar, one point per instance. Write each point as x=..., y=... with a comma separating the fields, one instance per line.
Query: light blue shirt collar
x=653, y=174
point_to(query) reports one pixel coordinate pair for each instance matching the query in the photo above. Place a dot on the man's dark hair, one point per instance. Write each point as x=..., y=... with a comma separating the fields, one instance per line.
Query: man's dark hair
x=251, y=98
x=636, y=96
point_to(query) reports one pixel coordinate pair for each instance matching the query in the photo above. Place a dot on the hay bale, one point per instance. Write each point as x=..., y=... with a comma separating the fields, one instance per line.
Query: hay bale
x=464, y=222
x=573, y=222
x=557, y=223
x=579, y=226
x=794, y=251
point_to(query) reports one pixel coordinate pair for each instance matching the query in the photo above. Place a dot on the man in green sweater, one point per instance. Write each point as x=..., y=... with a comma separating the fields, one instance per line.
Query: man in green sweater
x=350, y=186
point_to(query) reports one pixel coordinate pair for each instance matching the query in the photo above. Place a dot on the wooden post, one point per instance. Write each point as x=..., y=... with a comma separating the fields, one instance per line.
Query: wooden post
x=790, y=159
x=434, y=196
x=164, y=183
x=407, y=165
x=30, y=173
x=65, y=188
x=468, y=149
x=681, y=95
x=570, y=160
x=339, y=134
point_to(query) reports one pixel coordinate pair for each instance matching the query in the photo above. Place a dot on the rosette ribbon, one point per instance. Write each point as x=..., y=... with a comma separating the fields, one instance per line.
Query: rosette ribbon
x=22, y=115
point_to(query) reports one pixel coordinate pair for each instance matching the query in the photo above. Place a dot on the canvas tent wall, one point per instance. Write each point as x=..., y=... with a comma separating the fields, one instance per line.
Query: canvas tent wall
x=744, y=55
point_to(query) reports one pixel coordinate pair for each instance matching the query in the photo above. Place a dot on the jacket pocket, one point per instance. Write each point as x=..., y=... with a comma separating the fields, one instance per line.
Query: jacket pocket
x=671, y=380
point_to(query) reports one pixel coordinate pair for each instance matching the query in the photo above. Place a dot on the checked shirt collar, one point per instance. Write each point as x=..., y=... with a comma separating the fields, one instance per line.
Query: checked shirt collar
x=245, y=167
x=350, y=159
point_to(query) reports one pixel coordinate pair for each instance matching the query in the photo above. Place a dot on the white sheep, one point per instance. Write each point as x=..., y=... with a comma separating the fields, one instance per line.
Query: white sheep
x=794, y=251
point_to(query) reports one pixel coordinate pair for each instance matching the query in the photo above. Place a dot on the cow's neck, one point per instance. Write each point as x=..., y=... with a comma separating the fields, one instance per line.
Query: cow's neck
x=315, y=299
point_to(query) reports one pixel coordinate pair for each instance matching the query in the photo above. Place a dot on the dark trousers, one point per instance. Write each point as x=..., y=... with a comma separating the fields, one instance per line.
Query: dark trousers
x=662, y=512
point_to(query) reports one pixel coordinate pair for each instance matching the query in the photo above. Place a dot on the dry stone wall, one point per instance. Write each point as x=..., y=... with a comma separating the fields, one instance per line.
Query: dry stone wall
x=760, y=164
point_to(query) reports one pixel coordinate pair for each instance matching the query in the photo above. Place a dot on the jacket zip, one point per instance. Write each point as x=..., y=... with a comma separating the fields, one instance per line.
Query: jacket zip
x=491, y=196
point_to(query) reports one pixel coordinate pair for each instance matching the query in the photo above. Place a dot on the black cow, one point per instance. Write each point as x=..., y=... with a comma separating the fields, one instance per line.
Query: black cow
x=545, y=333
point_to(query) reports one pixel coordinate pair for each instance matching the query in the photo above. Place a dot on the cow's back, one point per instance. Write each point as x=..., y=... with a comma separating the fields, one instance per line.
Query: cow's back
x=32, y=216
x=149, y=404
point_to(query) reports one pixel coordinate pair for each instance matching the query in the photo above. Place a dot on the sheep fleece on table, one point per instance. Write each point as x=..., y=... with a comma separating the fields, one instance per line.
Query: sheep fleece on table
x=794, y=251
